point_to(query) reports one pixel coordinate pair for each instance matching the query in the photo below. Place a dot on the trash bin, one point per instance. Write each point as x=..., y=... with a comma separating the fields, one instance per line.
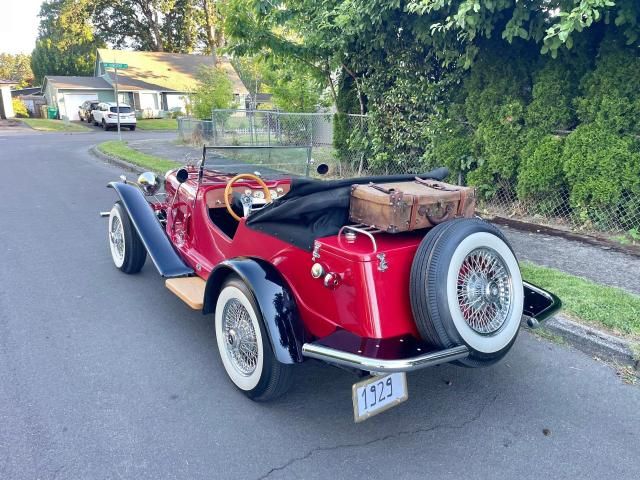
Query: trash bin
x=52, y=113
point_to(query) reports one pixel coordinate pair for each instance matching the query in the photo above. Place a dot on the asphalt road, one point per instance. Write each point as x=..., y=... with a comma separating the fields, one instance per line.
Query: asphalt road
x=109, y=376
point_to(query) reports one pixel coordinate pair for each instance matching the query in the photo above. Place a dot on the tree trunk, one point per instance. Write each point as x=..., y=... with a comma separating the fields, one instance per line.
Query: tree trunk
x=210, y=27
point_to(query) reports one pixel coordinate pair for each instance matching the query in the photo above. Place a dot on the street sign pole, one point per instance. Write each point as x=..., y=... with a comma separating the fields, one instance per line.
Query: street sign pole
x=116, y=66
x=118, y=105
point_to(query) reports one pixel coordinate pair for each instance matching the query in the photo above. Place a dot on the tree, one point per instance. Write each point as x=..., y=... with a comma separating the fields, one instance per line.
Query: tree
x=66, y=44
x=179, y=26
x=214, y=91
x=16, y=68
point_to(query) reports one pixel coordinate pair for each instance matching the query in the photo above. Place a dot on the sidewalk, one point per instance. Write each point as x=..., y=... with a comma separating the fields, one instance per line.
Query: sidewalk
x=598, y=264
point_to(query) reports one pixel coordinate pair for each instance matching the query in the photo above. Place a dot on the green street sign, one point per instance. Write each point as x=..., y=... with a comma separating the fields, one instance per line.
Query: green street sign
x=120, y=66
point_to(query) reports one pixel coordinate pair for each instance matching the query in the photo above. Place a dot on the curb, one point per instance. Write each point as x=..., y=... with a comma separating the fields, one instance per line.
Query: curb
x=115, y=160
x=593, y=342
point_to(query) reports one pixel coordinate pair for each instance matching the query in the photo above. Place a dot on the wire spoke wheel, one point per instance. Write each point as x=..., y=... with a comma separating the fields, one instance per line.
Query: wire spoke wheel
x=484, y=291
x=240, y=339
x=116, y=239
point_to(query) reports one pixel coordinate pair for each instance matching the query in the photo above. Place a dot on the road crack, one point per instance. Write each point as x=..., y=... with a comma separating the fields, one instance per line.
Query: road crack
x=404, y=433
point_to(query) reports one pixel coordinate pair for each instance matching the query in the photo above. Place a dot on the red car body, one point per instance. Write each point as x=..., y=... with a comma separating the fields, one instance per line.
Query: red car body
x=362, y=302
x=345, y=299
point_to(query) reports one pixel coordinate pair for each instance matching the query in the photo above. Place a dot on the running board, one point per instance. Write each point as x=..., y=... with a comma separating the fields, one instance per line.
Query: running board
x=399, y=354
x=188, y=289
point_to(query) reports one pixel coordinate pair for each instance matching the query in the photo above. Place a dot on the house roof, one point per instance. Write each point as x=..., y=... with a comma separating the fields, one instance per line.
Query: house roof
x=78, y=83
x=164, y=71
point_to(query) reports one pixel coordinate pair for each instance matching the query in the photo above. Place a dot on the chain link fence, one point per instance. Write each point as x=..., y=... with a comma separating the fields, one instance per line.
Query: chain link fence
x=341, y=142
x=274, y=128
x=619, y=220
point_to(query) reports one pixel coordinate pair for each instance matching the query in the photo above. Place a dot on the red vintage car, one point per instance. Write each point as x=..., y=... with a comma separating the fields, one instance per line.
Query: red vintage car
x=288, y=277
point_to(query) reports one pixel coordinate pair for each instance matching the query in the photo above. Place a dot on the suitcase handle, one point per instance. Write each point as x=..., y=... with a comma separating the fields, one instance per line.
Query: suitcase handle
x=437, y=220
x=388, y=191
x=436, y=185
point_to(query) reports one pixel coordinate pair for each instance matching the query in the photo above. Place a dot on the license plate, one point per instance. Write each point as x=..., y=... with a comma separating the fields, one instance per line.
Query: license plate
x=378, y=393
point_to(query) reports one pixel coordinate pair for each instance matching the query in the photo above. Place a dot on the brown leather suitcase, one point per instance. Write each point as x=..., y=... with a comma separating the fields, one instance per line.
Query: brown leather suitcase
x=403, y=206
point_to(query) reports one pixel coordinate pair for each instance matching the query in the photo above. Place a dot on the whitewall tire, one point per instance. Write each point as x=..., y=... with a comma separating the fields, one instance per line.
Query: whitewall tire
x=243, y=344
x=466, y=289
x=127, y=250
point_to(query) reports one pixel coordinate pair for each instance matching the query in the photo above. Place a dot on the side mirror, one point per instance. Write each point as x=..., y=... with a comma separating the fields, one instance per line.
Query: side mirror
x=322, y=169
x=182, y=175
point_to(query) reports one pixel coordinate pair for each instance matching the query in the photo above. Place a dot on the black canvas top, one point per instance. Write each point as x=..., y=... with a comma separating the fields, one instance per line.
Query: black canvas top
x=317, y=208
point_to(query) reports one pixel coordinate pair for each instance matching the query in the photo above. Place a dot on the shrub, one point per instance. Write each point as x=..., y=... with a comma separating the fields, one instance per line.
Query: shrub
x=500, y=141
x=554, y=89
x=602, y=169
x=215, y=91
x=19, y=108
x=541, y=176
x=611, y=97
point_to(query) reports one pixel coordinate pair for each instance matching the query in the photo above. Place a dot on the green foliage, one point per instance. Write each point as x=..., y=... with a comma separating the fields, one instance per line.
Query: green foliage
x=215, y=91
x=66, y=44
x=601, y=168
x=554, y=89
x=611, y=97
x=16, y=68
x=19, y=108
x=294, y=88
x=541, y=174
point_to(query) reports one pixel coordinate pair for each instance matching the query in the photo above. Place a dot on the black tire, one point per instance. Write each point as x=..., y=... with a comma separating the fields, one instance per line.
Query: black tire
x=132, y=128
x=104, y=125
x=434, y=290
x=270, y=378
x=95, y=124
x=135, y=254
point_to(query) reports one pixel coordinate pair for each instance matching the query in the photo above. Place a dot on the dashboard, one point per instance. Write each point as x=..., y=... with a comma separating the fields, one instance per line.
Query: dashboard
x=215, y=197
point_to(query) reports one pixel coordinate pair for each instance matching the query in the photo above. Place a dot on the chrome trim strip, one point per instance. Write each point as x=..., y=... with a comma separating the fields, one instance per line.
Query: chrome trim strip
x=339, y=357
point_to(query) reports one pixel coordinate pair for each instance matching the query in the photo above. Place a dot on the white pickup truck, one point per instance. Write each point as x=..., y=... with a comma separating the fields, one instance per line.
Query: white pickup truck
x=106, y=115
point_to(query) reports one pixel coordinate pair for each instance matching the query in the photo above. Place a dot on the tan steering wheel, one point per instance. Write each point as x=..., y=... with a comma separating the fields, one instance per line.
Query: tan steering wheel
x=246, y=176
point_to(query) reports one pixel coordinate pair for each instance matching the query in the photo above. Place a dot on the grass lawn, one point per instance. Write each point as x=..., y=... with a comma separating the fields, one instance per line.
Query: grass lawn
x=53, y=125
x=158, y=124
x=582, y=299
x=121, y=150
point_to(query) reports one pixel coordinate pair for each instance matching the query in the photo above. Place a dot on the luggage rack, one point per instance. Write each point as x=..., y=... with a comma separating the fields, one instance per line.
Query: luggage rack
x=350, y=232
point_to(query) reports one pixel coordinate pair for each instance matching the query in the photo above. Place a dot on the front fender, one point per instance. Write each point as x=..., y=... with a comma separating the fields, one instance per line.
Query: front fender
x=155, y=240
x=273, y=296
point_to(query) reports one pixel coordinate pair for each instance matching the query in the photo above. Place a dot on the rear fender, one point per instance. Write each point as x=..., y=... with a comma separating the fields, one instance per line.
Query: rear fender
x=155, y=240
x=539, y=304
x=274, y=298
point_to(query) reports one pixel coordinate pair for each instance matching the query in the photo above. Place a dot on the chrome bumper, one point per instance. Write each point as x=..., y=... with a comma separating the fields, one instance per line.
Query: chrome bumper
x=379, y=355
x=377, y=365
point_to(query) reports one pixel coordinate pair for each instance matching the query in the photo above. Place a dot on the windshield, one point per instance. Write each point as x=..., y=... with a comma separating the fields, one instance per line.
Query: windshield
x=270, y=161
x=122, y=109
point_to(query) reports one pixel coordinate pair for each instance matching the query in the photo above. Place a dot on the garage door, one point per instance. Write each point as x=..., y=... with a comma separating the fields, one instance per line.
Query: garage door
x=71, y=103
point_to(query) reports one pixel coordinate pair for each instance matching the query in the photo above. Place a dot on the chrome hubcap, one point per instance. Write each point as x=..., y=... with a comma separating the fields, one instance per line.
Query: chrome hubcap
x=240, y=337
x=485, y=294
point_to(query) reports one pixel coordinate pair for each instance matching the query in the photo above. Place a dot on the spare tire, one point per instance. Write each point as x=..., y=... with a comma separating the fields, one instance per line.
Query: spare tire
x=466, y=289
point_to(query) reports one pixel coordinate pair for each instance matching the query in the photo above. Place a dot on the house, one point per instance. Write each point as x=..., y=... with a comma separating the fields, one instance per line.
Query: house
x=6, y=107
x=154, y=82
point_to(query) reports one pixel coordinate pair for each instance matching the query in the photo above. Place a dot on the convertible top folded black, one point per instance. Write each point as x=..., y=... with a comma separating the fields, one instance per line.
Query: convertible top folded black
x=317, y=208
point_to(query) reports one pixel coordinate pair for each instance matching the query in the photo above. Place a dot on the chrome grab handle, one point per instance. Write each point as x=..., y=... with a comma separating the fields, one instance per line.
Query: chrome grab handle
x=358, y=230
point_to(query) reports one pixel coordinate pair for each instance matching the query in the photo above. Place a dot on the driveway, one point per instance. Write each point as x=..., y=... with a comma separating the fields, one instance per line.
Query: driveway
x=107, y=376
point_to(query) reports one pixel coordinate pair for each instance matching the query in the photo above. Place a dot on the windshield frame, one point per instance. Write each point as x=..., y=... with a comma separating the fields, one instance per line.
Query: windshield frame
x=206, y=148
